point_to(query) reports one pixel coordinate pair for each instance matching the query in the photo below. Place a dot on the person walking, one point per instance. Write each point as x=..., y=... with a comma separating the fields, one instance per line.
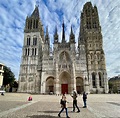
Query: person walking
x=63, y=103
x=74, y=96
x=84, y=99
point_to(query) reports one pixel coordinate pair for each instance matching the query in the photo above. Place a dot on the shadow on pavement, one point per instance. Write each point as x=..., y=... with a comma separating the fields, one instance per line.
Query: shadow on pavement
x=72, y=107
x=42, y=116
x=49, y=111
x=117, y=104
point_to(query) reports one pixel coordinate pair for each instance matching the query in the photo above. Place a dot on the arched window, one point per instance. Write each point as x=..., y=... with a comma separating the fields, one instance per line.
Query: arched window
x=35, y=51
x=94, y=80
x=31, y=24
x=98, y=56
x=35, y=41
x=36, y=23
x=32, y=51
x=100, y=79
x=28, y=41
x=92, y=56
x=28, y=24
x=28, y=51
x=25, y=51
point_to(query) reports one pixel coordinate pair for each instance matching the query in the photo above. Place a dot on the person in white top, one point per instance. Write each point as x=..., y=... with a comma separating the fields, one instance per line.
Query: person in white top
x=74, y=96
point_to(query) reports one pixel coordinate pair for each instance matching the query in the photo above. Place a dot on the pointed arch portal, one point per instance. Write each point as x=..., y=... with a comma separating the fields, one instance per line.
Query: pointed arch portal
x=79, y=85
x=50, y=84
x=65, y=80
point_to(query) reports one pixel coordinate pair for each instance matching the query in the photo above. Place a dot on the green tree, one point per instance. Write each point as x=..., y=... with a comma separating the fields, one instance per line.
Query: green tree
x=15, y=84
x=8, y=77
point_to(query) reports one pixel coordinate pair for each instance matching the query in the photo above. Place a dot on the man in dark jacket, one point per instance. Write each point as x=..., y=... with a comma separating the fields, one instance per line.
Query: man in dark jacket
x=84, y=99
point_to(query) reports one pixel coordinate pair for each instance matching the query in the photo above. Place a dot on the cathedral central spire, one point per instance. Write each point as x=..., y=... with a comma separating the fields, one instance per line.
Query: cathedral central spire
x=63, y=33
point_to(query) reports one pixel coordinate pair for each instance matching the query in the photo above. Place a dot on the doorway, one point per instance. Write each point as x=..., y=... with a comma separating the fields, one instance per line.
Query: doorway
x=65, y=82
x=64, y=88
x=79, y=85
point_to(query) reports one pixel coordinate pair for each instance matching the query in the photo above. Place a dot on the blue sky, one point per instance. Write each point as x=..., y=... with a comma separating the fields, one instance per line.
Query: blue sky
x=52, y=12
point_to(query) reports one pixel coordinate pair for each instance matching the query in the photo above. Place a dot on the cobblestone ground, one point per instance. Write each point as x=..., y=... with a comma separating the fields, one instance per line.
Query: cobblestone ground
x=15, y=105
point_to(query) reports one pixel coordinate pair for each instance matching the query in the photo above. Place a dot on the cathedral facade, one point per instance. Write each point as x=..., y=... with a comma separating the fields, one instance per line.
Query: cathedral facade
x=65, y=67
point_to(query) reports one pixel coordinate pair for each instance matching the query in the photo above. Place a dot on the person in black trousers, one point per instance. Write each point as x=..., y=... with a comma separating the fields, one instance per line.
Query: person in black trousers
x=74, y=96
x=63, y=103
x=84, y=99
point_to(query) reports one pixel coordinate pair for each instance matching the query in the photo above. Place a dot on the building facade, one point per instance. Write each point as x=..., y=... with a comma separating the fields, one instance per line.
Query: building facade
x=65, y=67
x=1, y=74
x=114, y=84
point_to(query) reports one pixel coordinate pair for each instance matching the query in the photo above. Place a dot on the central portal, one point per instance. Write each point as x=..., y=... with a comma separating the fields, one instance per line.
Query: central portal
x=65, y=82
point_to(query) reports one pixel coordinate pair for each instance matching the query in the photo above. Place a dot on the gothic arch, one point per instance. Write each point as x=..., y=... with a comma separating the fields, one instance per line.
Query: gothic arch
x=79, y=85
x=65, y=82
x=34, y=41
x=64, y=55
x=64, y=62
x=28, y=40
x=100, y=79
x=98, y=56
x=50, y=84
x=64, y=77
x=94, y=80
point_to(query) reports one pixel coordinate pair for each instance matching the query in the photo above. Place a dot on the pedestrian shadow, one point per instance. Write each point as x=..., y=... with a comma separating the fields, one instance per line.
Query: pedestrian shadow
x=49, y=111
x=72, y=107
x=41, y=116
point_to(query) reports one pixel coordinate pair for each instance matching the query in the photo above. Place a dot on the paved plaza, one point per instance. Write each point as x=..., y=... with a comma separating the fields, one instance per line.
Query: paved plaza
x=15, y=105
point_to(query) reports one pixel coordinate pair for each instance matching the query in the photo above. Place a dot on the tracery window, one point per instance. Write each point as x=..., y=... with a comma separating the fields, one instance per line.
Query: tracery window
x=36, y=23
x=28, y=51
x=94, y=80
x=28, y=41
x=35, y=51
x=100, y=79
x=25, y=51
x=35, y=41
x=32, y=51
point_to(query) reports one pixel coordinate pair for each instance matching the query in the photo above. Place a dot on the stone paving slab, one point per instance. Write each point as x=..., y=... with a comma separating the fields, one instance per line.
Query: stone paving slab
x=6, y=105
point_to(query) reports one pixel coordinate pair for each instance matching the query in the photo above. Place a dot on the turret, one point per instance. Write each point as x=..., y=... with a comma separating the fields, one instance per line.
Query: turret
x=63, y=33
x=56, y=35
x=47, y=41
x=72, y=36
x=34, y=24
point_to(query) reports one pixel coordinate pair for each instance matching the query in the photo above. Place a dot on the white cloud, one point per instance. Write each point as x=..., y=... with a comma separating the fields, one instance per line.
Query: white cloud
x=12, y=22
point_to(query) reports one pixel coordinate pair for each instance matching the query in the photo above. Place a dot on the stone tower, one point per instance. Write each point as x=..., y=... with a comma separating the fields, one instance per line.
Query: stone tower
x=91, y=38
x=30, y=69
x=60, y=70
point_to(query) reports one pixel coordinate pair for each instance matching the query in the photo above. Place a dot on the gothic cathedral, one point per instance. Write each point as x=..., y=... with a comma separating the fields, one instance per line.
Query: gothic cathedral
x=60, y=70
